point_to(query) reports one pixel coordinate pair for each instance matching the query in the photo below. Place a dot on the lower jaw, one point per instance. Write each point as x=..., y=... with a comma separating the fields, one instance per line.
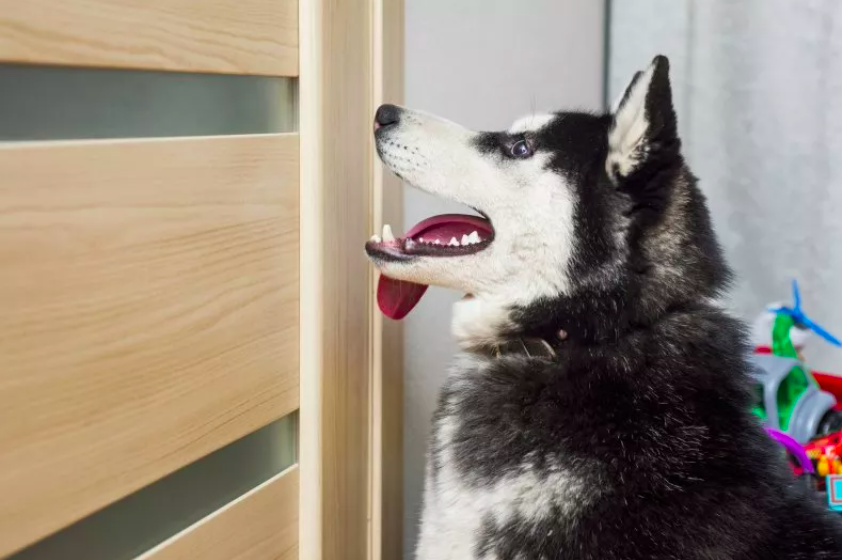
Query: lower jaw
x=440, y=237
x=407, y=250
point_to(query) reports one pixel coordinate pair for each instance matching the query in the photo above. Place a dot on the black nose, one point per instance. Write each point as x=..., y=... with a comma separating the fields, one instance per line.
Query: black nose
x=387, y=115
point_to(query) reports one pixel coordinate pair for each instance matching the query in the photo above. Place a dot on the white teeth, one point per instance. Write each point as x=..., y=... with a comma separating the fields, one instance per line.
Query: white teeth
x=437, y=242
x=465, y=240
x=387, y=233
x=376, y=238
x=453, y=242
x=474, y=237
x=421, y=240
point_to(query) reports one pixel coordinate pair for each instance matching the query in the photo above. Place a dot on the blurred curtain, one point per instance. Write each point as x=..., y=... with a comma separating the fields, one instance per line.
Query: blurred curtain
x=758, y=90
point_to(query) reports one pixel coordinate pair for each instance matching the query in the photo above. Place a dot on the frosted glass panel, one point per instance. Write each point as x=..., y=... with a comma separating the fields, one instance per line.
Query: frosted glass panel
x=148, y=517
x=56, y=103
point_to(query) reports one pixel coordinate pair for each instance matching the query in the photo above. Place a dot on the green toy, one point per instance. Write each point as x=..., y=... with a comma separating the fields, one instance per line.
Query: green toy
x=799, y=379
x=787, y=397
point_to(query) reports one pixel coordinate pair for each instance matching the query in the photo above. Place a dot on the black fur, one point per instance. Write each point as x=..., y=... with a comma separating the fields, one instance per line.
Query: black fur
x=647, y=399
x=657, y=423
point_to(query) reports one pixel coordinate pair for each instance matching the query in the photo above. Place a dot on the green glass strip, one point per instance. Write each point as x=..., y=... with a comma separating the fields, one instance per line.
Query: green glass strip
x=57, y=103
x=127, y=528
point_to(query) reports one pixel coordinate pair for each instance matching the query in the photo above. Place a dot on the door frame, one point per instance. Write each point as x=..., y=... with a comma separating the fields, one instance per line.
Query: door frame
x=350, y=422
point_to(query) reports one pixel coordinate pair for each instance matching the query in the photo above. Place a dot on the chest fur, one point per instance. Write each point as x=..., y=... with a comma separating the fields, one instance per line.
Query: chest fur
x=478, y=495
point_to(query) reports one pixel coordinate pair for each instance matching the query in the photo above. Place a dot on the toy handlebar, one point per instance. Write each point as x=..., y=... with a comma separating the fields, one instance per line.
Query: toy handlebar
x=794, y=448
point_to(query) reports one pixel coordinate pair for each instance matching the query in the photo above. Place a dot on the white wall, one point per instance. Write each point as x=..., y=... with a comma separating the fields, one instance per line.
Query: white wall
x=481, y=63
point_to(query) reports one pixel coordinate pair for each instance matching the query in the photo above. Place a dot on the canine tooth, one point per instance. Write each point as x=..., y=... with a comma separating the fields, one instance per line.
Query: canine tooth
x=465, y=240
x=474, y=237
x=421, y=240
x=387, y=233
x=376, y=238
x=453, y=242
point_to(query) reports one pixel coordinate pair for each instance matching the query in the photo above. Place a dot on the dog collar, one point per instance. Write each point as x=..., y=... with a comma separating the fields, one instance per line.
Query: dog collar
x=521, y=346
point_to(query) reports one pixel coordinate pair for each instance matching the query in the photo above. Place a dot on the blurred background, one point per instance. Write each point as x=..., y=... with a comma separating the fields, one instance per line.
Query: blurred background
x=757, y=87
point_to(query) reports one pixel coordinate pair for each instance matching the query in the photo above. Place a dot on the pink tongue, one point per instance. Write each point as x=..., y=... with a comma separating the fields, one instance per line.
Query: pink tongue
x=397, y=298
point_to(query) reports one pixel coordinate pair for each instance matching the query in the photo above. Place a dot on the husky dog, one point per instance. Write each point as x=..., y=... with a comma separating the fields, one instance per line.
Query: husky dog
x=599, y=408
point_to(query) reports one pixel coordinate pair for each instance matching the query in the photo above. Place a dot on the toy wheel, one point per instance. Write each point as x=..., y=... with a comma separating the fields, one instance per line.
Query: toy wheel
x=831, y=422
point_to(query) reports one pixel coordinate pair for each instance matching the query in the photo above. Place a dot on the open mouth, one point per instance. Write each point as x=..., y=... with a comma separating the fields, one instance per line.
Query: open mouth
x=447, y=235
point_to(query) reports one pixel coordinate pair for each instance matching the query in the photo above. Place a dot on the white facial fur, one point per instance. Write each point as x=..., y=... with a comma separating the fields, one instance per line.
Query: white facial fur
x=530, y=207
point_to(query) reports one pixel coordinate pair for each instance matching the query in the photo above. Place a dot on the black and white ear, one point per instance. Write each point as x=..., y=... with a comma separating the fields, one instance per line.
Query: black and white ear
x=644, y=123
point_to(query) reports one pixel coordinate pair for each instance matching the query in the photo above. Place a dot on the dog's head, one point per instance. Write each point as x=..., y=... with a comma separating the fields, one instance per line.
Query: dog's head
x=588, y=223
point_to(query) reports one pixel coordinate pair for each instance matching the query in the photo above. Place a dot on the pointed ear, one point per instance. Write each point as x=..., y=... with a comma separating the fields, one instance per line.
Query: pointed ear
x=644, y=125
x=619, y=100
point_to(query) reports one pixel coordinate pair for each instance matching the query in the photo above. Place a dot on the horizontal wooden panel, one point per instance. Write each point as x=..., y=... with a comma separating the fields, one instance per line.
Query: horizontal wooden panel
x=150, y=314
x=219, y=36
x=261, y=525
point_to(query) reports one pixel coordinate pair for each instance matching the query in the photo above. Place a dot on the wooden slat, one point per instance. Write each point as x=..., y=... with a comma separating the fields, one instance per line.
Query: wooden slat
x=261, y=525
x=149, y=296
x=387, y=359
x=219, y=36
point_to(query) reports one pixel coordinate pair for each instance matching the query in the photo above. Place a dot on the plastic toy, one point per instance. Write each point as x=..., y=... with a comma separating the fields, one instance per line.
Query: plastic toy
x=834, y=492
x=799, y=407
x=801, y=462
x=787, y=318
x=788, y=398
x=831, y=383
x=818, y=464
x=825, y=454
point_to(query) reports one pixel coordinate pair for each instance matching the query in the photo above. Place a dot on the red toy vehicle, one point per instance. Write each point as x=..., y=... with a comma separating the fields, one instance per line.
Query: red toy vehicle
x=832, y=384
x=825, y=454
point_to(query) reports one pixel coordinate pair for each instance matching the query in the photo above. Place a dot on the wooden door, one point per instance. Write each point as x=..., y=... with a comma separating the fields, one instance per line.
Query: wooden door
x=165, y=298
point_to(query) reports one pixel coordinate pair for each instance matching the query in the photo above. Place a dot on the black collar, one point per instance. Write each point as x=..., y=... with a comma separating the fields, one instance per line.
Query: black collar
x=521, y=346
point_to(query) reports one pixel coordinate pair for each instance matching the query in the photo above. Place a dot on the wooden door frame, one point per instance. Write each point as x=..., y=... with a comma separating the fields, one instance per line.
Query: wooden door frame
x=387, y=363
x=350, y=438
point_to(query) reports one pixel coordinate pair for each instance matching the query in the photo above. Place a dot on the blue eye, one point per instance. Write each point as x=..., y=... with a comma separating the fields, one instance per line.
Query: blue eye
x=521, y=149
